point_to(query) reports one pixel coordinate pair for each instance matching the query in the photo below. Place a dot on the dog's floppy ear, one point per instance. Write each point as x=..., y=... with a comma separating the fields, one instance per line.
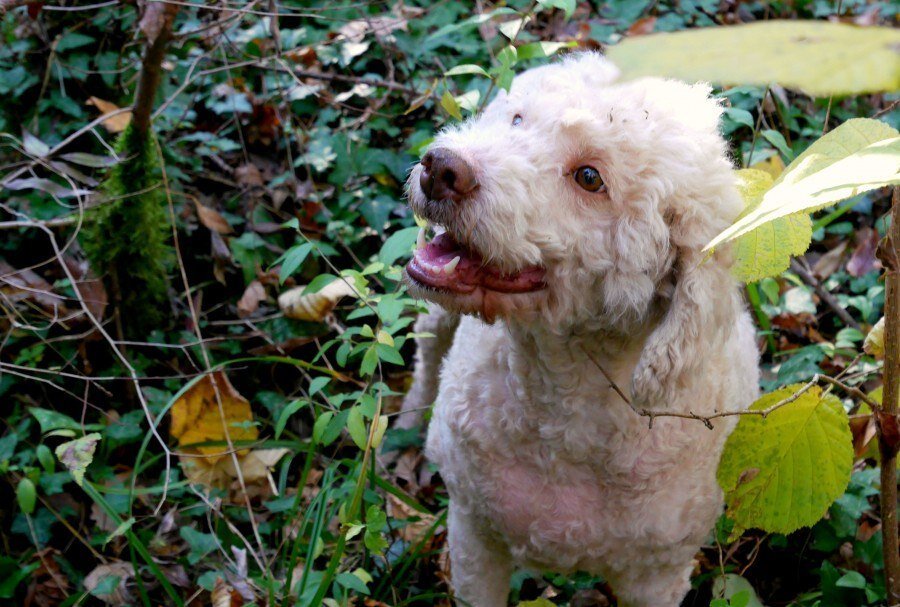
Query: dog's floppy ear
x=704, y=303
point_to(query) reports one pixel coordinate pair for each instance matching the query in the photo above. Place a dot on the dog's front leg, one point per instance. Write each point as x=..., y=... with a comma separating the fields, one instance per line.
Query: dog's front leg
x=481, y=568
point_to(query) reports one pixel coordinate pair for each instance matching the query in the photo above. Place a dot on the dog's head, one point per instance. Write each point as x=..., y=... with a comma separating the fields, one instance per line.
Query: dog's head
x=573, y=198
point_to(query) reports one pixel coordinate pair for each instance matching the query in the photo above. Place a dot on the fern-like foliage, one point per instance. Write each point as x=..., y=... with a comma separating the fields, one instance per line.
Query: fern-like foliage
x=126, y=237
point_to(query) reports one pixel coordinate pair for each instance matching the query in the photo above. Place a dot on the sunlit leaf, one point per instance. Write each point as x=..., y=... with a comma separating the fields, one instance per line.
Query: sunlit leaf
x=782, y=472
x=860, y=155
x=817, y=57
x=767, y=250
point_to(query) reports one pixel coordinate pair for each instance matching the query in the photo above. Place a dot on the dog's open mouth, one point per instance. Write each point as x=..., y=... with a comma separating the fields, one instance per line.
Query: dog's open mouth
x=445, y=265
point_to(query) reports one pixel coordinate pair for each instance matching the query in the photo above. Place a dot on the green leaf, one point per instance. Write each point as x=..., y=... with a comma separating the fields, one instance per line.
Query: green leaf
x=399, y=244
x=534, y=50
x=26, y=495
x=567, y=6
x=466, y=69
x=351, y=582
x=825, y=58
x=200, y=543
x=767, y=250
x=851, y=579
x=736, y=589
x=356, y=426
x=860, y=155
x=51, y=420
x=292, y=260
x=448, y=102
x=73, y=40
x=45, y=457
x=286, y=414
x=376, y=521
x=76, y=455
x=120, y=530
x=89, y=160
x=320, y=425
x=511, y=28
x=782, y=472
x=369, y=361
x=777, y=139
x=507, y=56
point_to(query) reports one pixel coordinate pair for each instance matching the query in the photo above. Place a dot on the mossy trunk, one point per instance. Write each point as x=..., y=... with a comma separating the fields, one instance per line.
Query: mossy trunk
x=126, y=237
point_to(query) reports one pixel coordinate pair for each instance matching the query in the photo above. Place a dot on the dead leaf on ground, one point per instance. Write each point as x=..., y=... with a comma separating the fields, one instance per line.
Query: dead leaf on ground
x=315, y=306
x=863, y=260
x=830, y=262
x=119, y=595
x=413, y=530
x=49, y=586
x=212, y=219
x=224, y=595
x=642, y=27
x=196, y=419
x=249, y=301
x=248, y=175
x=113, y=124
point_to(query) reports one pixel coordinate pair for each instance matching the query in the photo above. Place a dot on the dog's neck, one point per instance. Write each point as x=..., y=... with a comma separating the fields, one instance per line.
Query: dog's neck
x=554, y=364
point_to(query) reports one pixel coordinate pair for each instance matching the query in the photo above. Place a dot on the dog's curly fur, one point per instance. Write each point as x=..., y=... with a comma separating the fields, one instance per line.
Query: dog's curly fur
x=546, y=465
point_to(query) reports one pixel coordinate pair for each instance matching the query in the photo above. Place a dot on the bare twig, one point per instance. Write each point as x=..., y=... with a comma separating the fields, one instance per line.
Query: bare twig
x=707, y=419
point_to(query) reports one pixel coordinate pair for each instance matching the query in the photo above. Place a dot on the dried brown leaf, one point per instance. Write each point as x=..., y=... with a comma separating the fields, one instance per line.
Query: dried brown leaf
x=113, y=124
x=642, y=27
x=249, y=302
x=212, y=219
x=315, y=306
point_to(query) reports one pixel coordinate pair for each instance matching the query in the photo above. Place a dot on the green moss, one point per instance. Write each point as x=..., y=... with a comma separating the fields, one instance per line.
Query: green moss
x=126, y=238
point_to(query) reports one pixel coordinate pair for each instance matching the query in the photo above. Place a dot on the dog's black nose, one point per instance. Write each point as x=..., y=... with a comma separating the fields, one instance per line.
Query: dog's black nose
x=445, y=175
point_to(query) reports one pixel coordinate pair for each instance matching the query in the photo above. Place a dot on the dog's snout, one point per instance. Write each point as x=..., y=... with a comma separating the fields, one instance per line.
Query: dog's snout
x=445, y=175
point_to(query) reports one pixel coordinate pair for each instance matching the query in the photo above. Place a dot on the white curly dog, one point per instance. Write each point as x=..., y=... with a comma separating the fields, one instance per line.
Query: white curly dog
x=571, y=217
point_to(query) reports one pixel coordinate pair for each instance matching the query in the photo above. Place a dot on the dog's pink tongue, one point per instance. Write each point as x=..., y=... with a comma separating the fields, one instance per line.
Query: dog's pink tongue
x=433, y=265
x=444, y=264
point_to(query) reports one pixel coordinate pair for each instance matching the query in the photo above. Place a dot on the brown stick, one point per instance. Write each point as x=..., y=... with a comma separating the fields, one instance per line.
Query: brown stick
x=887, y=419
x=151, y=66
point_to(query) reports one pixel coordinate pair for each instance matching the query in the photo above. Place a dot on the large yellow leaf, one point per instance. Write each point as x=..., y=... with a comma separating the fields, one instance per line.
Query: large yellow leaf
x=817, y=57
x=860, y=155
x=196, y=417
x=767, y=250
x=782, y=472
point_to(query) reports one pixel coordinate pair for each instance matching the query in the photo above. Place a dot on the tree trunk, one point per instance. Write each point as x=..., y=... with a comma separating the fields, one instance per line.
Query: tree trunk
x=887, y=418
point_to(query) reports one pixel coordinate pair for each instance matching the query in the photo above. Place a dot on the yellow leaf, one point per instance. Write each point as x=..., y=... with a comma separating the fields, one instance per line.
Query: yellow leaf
x=196, y=417
x=860, y=155
x=113, y=124
x=767, y=250
x=825, y=58
x=874, y=344
x=773, y=165
x=314, y=307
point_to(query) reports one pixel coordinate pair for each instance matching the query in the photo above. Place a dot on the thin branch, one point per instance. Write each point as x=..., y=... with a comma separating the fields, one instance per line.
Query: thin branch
x=707, y=419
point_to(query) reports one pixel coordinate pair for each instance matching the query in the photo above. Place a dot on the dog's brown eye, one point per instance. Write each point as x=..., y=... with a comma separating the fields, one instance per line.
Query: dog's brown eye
x=517, y=120
x=588, y=178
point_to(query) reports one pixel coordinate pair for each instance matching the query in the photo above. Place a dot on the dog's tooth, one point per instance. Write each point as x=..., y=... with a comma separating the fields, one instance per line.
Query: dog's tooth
x=420, y=239
x=451, y=265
